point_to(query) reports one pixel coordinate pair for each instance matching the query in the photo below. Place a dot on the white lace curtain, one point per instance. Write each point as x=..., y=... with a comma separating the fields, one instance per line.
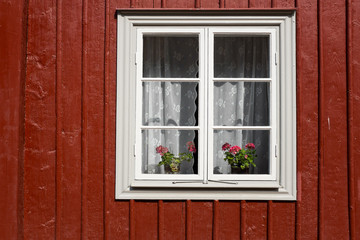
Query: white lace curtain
x=175, y=103
x=169, y=103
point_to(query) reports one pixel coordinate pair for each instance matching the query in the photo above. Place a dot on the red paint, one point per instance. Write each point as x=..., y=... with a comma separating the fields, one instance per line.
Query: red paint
x=283, y=3
x=173, y=217
x=40, y=123
x=281, y=220
x=146, y=220
x=354, y=115
x=93, y=119
x=307, y=120
x=259, y=3
x=254, y=223
x=13, y=20
x=236, y=4
x=228, y=224
x=69, y=129
x=333, y=202
x=201, y=220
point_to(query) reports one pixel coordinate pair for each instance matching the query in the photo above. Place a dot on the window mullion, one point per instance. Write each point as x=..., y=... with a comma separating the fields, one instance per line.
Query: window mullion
x=205, y=107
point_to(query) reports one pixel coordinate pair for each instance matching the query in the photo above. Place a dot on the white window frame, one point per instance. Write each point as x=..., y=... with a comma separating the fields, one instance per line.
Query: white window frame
x=280, y=184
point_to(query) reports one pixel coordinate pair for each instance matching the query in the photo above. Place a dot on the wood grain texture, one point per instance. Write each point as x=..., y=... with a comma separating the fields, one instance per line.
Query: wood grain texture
x=13, y=21
x=210, y=3
x=228, y=220
x=65, y=74
x=283, y=3
x=254, y=222
x=93, y=119
x=259, y=3
x=182, y=3
x=353, y=52
x=334, y=216
x=117, y=213
x=201, y=219
x=146, y=220
x=40, y=123
x=173, y=217
x=307, y=120
x=281, y=220
x=68, y=111
x=236, y=3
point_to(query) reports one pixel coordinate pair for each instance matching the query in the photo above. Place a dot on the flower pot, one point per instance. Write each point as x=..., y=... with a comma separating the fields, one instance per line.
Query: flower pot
x=173, y=168
x=238, y=170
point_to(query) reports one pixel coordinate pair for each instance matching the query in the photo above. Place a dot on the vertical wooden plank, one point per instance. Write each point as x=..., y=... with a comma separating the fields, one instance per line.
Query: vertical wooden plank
x=210, y=3
x=181, y=3
x=254, y=224
x=40, y=123
x=93, y=119
x=283, y=3
x=202, y=220
x=260, y=3
x=142, y=3
x=188, y=219
x=173, y=220
x=242, y=220
x=117, y=221
x=236, y=3
x=68, y=89
x=216, y=217
x=354, y=115
x=334, y=221
x=281, y=220
x=146, y=220
x=13, y=20
x=228, y=220
x=307, y=120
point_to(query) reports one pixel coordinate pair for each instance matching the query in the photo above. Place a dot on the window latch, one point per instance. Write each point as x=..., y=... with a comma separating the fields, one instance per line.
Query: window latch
x=221, y=181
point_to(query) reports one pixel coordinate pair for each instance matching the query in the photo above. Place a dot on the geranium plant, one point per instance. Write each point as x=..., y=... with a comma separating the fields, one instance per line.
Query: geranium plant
x=240, y=158
x=172, y=162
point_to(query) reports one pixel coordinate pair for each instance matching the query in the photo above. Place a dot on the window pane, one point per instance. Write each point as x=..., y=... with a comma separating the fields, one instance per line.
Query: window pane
x=241, y=104
x=172, y=141
x=261, y=140
x=170, y=103
x=171, y=57
x=241, y=57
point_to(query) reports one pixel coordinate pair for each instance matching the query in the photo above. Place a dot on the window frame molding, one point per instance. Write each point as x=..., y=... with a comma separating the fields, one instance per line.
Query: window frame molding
x=284, y=187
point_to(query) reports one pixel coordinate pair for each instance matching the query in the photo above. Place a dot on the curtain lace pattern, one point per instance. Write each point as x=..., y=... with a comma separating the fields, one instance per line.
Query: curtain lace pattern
x=235, y=103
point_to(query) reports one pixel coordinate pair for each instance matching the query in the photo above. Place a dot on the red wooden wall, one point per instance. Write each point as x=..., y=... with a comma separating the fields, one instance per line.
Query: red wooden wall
x=57, y=129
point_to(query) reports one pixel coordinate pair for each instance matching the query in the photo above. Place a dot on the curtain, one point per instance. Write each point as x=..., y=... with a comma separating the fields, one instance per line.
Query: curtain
x=169, y=103
x=241, y=103
x=175, y=103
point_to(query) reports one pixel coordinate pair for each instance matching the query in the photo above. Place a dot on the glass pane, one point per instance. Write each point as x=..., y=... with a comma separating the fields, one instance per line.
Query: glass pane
x=171, y=57
x=158, y=144
x=241, y=103
x=240, y=138
x=170, y=103
x=241, y=57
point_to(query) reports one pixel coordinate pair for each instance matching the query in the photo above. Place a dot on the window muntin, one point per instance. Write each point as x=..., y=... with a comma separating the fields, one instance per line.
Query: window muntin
x=283, y=187
x=171, y=108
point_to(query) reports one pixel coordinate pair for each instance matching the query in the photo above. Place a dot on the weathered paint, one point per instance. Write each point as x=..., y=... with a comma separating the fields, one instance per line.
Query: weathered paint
x=12, y=82
x=67, y=65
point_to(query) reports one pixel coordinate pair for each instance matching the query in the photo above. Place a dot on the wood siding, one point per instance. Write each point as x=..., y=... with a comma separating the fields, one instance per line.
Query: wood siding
x=57, y=128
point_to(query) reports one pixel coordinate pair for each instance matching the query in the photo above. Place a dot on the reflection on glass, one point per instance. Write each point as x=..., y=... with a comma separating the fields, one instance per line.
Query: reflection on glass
x=241, y=57
x=181, y=143
x=171, y=57
x=241, y=104
x=261, y=140
x=169, y=103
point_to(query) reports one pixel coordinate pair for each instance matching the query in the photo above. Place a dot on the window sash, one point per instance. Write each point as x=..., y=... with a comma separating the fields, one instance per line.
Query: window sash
x=206, y=80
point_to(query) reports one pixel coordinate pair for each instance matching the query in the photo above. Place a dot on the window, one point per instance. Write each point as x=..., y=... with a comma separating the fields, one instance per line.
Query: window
x=188, y=85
